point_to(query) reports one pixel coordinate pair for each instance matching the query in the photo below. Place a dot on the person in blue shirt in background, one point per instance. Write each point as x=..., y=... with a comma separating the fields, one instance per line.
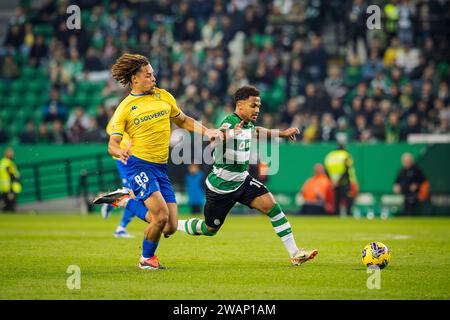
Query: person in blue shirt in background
x=194, y=185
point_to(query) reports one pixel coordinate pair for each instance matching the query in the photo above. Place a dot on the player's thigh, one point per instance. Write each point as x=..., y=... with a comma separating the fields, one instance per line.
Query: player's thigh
x=256, y=196
x=217, y=207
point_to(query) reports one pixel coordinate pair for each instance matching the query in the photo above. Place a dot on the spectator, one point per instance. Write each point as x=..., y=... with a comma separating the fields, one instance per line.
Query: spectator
x=54, y=109
x=77, y=124
x=102, y=117
x=412, y=127
x=316, y=102
x=412, y=184
x=10, y=69
x=93, y=62
x=38, y=52
x=334, y=83
x=73, y=67
x=336, y=108
x=360, y=133
x=9, y=181
x=344, y=133
x=316, y=60
x=43, y=135
x=14, y=38
x=29, y=135
x=288, y=115
x=372, y=66
x=317, y=193
x=356, y=23
x=194, y=186
x=393, y=128
x=378, y=128
x=328, y=128
x=92, y=133
x=3, y=134
x=296, y=79
x=312, y=131
x=58, y=134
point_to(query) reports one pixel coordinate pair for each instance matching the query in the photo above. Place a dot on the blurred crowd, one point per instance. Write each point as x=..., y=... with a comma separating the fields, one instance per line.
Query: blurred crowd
x=317, y=64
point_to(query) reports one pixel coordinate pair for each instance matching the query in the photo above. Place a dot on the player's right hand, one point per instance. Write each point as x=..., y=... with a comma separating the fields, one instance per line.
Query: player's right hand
x=124, y=155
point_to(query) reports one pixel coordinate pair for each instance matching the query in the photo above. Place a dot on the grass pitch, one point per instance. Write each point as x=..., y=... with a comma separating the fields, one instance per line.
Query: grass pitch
x=246, y=260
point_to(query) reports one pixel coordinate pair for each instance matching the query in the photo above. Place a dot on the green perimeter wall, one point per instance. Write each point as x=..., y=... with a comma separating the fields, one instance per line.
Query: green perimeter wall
x=376, y=165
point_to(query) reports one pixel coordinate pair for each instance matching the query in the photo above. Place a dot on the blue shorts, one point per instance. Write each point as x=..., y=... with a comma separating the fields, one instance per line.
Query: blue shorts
x=147, y=177
x=122, y=169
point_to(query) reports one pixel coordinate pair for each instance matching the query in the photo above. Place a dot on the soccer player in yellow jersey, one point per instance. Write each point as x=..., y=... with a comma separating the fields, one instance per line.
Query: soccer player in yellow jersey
x=145, y=115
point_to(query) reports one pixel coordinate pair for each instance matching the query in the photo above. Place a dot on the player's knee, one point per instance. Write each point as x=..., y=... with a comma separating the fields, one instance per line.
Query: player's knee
x=272, y=209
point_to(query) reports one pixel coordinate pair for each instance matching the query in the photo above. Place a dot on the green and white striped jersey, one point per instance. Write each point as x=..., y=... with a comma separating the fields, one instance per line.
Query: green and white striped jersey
x=231, y=159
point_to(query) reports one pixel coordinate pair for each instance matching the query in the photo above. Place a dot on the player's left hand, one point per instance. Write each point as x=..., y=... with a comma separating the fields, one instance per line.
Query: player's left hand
x=290, y=133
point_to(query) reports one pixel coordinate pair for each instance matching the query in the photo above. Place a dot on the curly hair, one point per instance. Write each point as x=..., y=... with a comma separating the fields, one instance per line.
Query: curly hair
x=126, y=66
x=243, y=93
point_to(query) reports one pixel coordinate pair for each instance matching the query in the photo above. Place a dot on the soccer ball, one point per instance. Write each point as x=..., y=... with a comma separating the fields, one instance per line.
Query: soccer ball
x=376, y=254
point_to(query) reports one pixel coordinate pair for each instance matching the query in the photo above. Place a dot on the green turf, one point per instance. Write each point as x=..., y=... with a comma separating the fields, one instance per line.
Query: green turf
x=244, y=261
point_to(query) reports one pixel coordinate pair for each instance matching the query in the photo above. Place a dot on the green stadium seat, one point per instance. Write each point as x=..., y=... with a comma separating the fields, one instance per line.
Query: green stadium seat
x=38, y=87
x=17, y=86
x=31, y=99
x=83, y=87
x=277, y=98
x=13, y=101
x=5, y=115
x=14, y=141
x=97, y=87
x=4, y=88
x=13, y=130
x=82, y=99
x=28, y=73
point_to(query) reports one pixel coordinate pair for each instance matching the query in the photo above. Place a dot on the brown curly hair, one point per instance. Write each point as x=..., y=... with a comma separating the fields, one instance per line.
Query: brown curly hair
x=126, y=66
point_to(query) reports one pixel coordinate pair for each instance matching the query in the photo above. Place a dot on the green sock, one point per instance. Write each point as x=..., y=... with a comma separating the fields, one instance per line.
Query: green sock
x=282, y=228
x=194, y=227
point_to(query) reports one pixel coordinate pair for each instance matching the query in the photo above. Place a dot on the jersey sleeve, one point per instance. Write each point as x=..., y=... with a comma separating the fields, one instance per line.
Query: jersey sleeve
x=109, y=127
x=118, y=122
x=174, y=109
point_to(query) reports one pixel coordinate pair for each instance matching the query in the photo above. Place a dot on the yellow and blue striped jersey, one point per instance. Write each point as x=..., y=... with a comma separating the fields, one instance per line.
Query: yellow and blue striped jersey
x=145, y=118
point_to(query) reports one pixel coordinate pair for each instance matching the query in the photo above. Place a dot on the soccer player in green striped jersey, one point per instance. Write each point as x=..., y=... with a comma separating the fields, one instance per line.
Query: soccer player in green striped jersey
x=229, y=182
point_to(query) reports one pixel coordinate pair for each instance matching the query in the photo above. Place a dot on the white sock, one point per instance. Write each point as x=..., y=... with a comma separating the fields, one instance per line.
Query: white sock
x=181, y=225
x=289, y=243
x=120, y=228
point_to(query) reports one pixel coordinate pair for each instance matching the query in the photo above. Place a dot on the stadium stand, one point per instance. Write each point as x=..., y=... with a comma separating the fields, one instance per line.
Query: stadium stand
x=314, y=70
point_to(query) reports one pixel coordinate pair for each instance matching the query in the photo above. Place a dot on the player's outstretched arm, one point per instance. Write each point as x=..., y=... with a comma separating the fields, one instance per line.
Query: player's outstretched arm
x=191, y=125
x=115, y=150
x=268, y=133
